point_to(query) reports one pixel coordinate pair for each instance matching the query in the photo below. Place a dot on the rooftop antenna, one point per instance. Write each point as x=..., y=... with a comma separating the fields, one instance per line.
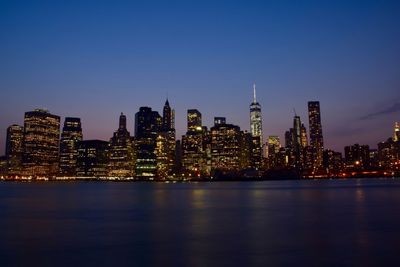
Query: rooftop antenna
x=294, y=110
x=254, y=93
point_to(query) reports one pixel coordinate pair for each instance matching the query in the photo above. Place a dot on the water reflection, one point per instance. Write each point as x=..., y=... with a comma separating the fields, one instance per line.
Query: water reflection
x=273, y=223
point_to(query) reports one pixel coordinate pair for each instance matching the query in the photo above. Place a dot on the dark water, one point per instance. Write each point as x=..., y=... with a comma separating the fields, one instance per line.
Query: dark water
x=302, y=223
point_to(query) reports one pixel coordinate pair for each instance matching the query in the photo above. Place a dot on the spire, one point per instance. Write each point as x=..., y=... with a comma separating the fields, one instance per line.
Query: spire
x=254, y=93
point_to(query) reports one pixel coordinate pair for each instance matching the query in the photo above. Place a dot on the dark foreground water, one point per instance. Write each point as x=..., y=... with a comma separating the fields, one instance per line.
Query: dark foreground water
x=302, y=223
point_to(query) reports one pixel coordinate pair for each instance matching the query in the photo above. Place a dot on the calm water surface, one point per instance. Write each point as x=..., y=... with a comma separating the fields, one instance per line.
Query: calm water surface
x=302, y=223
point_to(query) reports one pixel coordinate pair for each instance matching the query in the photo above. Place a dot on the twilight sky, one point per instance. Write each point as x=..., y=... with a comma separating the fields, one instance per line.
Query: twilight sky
x=94, y=59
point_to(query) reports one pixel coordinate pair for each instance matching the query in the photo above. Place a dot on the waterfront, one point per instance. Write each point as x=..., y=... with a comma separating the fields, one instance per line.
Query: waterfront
x=274, y=223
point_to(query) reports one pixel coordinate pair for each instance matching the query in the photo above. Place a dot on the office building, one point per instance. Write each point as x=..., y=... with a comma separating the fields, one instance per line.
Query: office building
x=92, y=160
x=41, y=143
x=70, y=136
x=315, y=128
x=121, y=162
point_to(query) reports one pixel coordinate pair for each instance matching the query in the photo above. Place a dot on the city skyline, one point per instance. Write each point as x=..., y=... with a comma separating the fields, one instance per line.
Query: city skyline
x=94, y=61
x=130, y=125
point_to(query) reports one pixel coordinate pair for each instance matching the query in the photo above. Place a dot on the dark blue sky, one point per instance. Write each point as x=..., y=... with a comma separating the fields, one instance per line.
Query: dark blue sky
x=95, y=59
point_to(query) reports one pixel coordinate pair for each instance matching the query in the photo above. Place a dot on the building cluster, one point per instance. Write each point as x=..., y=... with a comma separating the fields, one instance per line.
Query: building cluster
x=38, y=149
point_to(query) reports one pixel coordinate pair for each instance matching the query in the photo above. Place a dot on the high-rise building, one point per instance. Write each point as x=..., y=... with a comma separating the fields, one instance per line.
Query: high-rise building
x=70, y=136
x=193, y=120
x=273, y=147
x=303, y=136
x=195, y=147
x=148, y=124
x=166, y=145
x=333, y=162
x=396, y=134
x=296, y=143
x=121, y=162
x=315, y=128
x=15, y=135
x=92, y=159
x=357, y=156
x=41, y=143
x=256, y=117
x=225, y=147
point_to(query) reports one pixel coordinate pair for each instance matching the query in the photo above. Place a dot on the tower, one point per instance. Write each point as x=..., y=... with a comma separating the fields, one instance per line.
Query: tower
x=396, y=135
x=70, y=136
x=15, y=134
x=121, y=152
x=315, y=128
x=255, y=117
x=41, y=143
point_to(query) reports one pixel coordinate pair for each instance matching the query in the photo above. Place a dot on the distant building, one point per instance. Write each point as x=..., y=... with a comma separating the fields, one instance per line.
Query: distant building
x=315, y=128
x=357, y=156
x=273, y=148
x=303, y=136
x=225, y=149
x=194, y=122
x=166, y=144
x=14, y=141
x=256, y=118
x=389, y=154
x=219, y=120
x=92, y=160
x=195, y=147
x=121, y=162
x=41, y=143
x=148, y=124
x=332, y=162
x=70, y=136
x=396, y=134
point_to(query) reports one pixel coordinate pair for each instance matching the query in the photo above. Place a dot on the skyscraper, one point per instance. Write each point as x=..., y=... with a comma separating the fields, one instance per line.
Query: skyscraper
x=166, y=144
x=121, y=152
x=41, y=143
x=70, y=136
x=255, y=117
x=396, y=134
x=92, y=159
x=168, y=120
x=303, y=136
x=296, y=143
x=15, y=135
x=315, y=128
x=225, y=147
x=193, y=120
x=148, y=124
x=195, y=146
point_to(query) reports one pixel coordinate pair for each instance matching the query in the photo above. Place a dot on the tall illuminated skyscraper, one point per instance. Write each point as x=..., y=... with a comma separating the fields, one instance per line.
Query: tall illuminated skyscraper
x=255, y=117
x=70, y=136
x=315, y=128
x=193, y=120
x=396, y=135
x=166, y=144
x=41, y=143
x=148, y=124
x=15, y=135
x=121, y=152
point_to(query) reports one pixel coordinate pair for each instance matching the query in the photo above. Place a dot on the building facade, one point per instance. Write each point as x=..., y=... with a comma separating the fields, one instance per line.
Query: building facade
x=316, y=137
x=41, y=143
x=70, y=136
x=121, y=161
x=14, y=141
x=92, y=160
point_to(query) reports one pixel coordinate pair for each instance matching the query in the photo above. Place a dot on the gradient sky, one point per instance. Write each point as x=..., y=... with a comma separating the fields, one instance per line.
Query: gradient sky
x=95, y=59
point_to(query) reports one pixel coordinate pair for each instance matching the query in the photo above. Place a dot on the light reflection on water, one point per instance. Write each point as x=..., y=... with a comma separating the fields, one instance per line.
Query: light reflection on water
x=317, y=223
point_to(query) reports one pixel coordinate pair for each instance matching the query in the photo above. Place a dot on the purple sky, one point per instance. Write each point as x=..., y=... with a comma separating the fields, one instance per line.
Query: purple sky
x=95, y=59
